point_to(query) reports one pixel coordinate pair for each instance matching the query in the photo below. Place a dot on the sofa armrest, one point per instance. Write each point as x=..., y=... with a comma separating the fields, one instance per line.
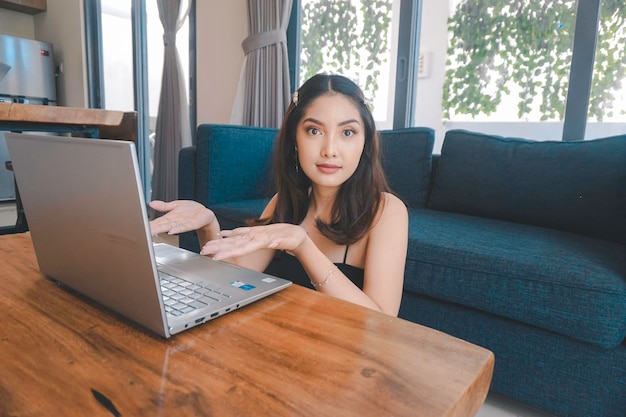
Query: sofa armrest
x=186, y=191
x=187, y=173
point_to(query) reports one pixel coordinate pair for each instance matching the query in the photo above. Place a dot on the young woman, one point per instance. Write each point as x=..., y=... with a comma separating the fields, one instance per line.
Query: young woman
x=333, y=225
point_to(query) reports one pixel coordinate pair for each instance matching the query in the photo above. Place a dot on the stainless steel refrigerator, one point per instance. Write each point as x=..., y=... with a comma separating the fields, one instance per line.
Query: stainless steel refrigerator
x=27, y=75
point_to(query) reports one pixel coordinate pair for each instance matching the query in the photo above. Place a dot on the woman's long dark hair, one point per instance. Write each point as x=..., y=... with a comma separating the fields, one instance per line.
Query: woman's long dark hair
x=359, y=198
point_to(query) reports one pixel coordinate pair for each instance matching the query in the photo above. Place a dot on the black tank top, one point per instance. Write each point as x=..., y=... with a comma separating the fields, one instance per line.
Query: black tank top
x=288, y=267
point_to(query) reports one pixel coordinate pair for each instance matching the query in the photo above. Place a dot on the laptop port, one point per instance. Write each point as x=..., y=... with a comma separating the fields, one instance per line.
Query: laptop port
x=200, y=320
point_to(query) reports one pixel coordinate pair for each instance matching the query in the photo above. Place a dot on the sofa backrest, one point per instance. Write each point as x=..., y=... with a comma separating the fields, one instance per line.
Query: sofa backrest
x=578, y=187
x=406, y=159
x=233, y=163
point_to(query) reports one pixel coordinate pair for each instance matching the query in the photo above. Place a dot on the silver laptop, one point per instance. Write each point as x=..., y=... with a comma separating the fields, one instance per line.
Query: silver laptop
x=85, y=208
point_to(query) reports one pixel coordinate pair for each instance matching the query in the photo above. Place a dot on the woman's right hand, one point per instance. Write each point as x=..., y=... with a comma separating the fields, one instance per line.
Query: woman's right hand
x=245, y=240
x=180, y=216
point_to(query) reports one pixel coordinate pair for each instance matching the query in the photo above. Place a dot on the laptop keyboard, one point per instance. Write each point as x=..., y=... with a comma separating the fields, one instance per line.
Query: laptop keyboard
x=181, y=296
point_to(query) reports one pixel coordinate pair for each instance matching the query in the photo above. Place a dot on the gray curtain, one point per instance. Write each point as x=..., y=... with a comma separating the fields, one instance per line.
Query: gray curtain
x=263, y=92
x=172, y=125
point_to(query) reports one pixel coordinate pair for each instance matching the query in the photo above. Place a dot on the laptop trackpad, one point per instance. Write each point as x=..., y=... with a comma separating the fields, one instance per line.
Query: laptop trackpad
x=168, y=255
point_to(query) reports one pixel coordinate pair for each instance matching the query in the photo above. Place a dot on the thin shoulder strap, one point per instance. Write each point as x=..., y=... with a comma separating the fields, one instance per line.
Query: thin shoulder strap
x=345, y=256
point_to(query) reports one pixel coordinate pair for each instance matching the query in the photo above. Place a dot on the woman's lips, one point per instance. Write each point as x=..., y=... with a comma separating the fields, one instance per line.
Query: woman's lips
x=328, y=168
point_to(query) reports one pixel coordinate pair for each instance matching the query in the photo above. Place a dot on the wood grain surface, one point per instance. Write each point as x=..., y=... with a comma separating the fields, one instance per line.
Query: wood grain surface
x=295, y=353
x=112, y=124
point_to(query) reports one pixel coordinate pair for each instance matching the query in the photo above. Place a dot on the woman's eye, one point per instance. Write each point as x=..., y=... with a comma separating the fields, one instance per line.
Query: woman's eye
x=314, y=131
x=348, y=132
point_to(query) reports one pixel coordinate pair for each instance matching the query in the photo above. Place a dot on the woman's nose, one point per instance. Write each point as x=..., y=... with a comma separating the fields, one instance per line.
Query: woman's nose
x=329, y=150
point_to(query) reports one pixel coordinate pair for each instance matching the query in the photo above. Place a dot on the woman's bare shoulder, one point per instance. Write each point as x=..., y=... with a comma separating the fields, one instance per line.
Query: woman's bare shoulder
x=393, y=211
x=393, y=203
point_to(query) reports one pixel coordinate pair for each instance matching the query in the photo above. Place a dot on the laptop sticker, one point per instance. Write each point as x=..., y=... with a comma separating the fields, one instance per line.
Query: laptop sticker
x=243, y=286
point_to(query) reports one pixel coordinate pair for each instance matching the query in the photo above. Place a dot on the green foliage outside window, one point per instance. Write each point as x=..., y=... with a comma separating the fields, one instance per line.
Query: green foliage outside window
x=345, y=37
x=524, y=47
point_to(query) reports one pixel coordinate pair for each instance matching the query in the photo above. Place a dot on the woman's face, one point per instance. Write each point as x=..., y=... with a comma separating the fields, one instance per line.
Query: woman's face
x=330, y=139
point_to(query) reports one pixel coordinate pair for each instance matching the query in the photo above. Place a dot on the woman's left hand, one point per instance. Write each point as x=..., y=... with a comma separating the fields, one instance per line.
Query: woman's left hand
x=245, y=240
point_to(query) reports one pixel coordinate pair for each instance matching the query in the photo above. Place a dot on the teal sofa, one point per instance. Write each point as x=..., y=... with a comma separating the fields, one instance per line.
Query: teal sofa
x=515, y=245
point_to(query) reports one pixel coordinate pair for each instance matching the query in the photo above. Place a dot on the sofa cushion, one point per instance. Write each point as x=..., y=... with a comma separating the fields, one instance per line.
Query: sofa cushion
x=406, y=159
x=567, y=283
x=577, y=187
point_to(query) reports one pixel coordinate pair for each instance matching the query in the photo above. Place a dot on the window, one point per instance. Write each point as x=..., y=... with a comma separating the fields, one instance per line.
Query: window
x=127, y=63
x=507, y=66
x=503, y=69
x=118, y=55
x=357, y=39
x=508, y=62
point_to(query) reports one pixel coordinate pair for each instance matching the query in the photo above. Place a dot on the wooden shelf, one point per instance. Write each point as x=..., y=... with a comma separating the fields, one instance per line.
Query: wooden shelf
x=24, y=6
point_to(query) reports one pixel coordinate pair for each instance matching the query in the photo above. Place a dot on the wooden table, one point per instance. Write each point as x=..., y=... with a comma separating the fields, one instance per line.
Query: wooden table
x=295, y=353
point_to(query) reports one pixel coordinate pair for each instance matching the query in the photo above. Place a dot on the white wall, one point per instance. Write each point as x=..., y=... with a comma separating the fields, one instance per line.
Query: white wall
x=221, y=27
x=17, y=24
x=63, y=26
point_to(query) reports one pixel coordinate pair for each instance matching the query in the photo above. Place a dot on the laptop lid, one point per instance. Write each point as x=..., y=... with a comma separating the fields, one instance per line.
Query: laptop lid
x=84, y=203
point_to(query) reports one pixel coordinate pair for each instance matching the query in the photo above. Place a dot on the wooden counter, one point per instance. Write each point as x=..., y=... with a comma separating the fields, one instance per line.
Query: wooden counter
x=106, y=123
x=95, y=123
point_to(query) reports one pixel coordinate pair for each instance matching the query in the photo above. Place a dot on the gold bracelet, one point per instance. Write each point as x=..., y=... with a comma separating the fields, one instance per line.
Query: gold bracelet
x=321, y=284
